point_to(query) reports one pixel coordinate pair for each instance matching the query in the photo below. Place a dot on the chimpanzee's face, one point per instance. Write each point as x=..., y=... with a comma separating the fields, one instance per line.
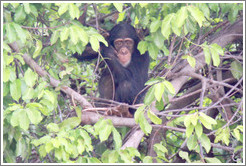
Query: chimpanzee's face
x=124, y=48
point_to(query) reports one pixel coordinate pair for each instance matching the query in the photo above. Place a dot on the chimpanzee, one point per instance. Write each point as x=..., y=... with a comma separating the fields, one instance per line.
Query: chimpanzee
x=128, y=68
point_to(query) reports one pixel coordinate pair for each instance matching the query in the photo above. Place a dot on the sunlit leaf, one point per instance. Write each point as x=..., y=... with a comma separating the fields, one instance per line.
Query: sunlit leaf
x=30, y=77
x=27, y=8
x=150, y=96
x=184, y=155
x=38, y=48
x=117, y=139
x=155, y=25
x=155, y=119
x=205, y=141
x=64, y=34
x=73, y=11
x=181, y=16
x=15, y=89
x=159, y=90
x=199, y=130
x=192, y=61
x=236, y=69
x=63, y=8
x=212, y=160
x=192, y=142
x=196, y=14
x=189, y=130
x=118, y=6
x=142, y=47
x=166, y=25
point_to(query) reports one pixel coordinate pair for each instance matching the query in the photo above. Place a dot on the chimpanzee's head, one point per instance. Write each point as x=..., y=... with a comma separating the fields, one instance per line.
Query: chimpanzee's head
x=124, y=39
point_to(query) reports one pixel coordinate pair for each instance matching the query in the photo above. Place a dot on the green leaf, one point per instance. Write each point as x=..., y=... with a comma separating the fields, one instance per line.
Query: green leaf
x=133, y=152
x=118, y=6
x=142, y=47
x=6, y=74
x=82, y=35
x=155, y=119
x=21, y=147
x=64, y=34
x=117, y=139
x=15, y=89
x=28, y=93
x=153, y=81
x=50, y=96
x=138, y=113
x=159, y=105
x=199, y=130
x=207, y=55
x=194, y=119
x=223, y=135
x=170, y=87
x=155, y=25
x=144, y=124
x=105, y=131
x=233, y=13
x=70, y=123
x=20, y=33
x=192, y=142
x=236, y=69
x=48, y=147
x=217, y=48
x=159, y=90
x=187, y=120
x=150, y=96
x=54, y=37
x=30, y=77
x=205, y=141
x=181, y=16
x=208, y=118
x=14, y=121
x=34, y=10
x=238, y=148
x=38, y=48
x=215, y=57
x=52, y=127
x=20, y=14
x=63, y=8
x=24, y=120
x=121, y=17
x=153, y=50
x=159, y=39
x=34, y=115
x=189, y=130
x=74, y=34
x=147, y=159
x=196, y=14
x=184, y=155
x=94, y=43
x=160, y=149
x=204, y=8
x=87, y=140
x=80, y=146
x=6, y=47
x=27, y=8
x=11, y=33
x=73, y=11
x=101, y=39
x=192, y=61
x=166, y=25
x=212, y=160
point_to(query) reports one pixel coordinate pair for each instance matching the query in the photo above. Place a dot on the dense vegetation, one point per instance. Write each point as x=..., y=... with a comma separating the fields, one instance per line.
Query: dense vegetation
x=193, y=108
